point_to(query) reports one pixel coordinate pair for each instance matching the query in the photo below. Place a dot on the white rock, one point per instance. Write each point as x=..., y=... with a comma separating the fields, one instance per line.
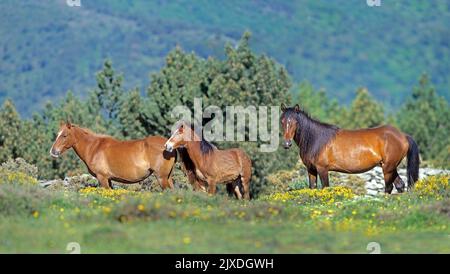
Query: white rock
x=371, y=192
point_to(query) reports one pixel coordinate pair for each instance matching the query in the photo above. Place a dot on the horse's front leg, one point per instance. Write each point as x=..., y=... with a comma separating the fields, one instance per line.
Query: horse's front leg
x=312, y=177
x=212, y=188
x=103, y=181
x=323, y=174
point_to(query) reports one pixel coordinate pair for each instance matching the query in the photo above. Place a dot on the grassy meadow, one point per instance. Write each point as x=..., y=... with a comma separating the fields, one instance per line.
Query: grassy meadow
x=34, y=219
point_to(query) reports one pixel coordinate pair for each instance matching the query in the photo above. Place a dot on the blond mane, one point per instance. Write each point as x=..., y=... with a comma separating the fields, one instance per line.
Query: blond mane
x=90, y=132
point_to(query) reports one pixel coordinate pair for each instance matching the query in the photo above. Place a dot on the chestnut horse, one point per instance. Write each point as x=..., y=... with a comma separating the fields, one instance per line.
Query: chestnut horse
x=211, y=165
x=110, y=159
x=325, y=147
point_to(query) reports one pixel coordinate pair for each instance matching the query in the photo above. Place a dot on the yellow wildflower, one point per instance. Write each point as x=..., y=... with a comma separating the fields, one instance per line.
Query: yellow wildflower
x=187, y=240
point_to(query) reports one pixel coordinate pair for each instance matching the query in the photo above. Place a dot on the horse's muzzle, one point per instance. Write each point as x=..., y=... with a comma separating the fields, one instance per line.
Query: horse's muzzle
x=287, y=144
x=168, y=147
x=54, y=153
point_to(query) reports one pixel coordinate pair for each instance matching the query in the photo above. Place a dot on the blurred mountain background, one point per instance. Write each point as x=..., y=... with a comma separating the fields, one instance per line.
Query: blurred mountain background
x=48, y=48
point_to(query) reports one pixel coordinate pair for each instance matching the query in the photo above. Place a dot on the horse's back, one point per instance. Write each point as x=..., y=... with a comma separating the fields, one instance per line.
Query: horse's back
x=372, y=130
x=371, y=135
x=237, y=153
x=155, y=142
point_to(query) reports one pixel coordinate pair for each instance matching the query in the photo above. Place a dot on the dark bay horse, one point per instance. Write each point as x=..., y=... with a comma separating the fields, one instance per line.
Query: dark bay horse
x=325, y=147
x=212, y=166
x=110, y=159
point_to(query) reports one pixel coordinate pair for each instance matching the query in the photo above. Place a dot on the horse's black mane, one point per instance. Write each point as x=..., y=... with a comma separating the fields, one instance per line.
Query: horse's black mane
x=311, y=135
x=205, y=146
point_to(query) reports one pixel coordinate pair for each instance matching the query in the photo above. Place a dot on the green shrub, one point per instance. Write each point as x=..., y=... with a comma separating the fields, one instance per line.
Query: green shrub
x=22, y=199
x=433, y=187
x=20, y=165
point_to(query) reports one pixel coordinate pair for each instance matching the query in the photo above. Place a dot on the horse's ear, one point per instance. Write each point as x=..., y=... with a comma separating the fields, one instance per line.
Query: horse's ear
x=297, y=108
x=181, y=128
x=68, y=124
x=283, y=107
x=62, y=123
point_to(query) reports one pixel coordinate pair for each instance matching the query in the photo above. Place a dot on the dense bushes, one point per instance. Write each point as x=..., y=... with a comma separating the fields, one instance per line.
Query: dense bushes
x=20, y=165
x=433, y=186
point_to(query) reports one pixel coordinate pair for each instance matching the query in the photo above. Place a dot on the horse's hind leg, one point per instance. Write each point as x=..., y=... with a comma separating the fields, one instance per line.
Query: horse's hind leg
x=388, y=181
x=398, y=182
x=246, y=175
x=236, y=189
x=164, y=176
x=165, y=182
x=246, y=186
x=392, y=178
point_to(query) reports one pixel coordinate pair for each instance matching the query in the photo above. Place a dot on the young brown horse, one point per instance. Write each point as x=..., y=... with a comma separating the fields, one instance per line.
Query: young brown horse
x=109, y=159
x=326, y=148
x=211, y=165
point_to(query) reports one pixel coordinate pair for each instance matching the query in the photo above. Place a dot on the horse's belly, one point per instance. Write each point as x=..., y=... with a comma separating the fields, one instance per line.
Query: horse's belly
x=129, y=169
x=356, y=160
x=224, y=176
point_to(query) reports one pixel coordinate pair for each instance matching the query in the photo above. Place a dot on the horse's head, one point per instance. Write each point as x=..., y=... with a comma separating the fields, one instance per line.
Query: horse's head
x=182, y=134
x=64, y=140
x=289, y=123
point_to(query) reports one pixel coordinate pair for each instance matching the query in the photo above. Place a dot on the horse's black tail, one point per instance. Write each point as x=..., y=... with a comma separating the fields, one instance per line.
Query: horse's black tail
x=413, y=162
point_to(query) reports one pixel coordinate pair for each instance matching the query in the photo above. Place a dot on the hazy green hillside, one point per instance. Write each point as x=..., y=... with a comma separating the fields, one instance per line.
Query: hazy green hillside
x=47, y=47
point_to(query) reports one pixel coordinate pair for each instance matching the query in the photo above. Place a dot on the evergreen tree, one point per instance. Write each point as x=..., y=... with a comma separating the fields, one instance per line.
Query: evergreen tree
x=182, y=78
x=426, y=117
x=364, y=112
x=108, y=94
x=130, y=117
x=317, y=103
x=10, y=125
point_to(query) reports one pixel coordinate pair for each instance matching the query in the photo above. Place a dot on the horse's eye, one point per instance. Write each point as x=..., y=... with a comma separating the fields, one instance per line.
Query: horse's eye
x=64, y=136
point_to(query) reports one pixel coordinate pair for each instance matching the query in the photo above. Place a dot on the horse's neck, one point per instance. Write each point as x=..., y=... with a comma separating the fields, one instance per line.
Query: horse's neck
x=193, y=149
x=300, y=131
x=311, y=137
x=83, y=144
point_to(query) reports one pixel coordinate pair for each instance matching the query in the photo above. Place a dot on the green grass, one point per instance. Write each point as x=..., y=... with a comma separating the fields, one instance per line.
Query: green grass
x=36, y=220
